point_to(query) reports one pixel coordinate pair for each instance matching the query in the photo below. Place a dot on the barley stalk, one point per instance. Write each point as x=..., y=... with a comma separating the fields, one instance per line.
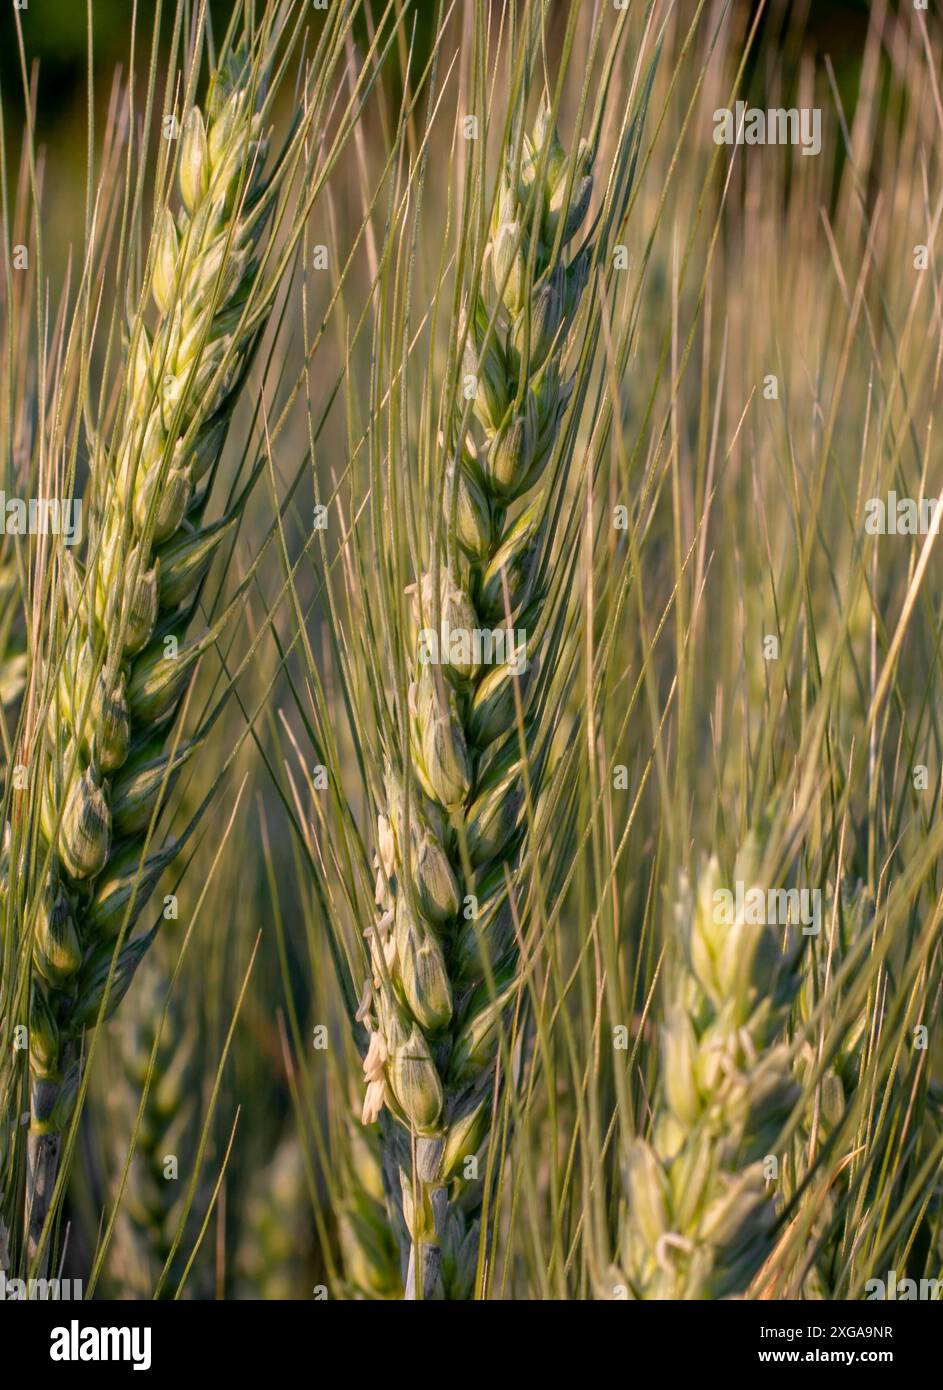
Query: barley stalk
x=445, y=956
x=700, y=1209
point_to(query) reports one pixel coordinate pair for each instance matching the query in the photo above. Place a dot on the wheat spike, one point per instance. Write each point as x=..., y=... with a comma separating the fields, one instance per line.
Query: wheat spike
x=700, y=1209
x=445, y=958
x=165, y=1139
x=122, y=676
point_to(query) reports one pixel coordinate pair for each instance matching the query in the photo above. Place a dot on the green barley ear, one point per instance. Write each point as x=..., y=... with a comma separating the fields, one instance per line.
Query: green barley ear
x=700, y=1205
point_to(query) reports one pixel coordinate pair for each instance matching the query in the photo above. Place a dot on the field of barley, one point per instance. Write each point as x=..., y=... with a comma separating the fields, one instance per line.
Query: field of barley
x=471, y=651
